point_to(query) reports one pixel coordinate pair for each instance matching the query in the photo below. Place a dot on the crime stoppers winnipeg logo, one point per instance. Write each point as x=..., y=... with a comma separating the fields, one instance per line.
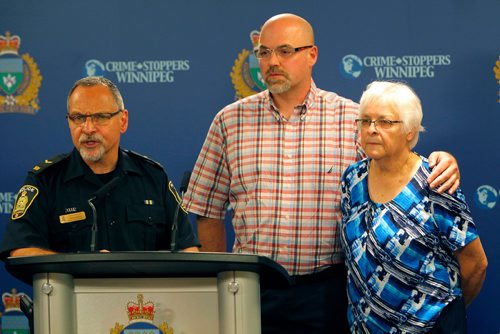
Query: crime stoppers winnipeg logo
x=393, y=67
x=245, y=75
x=20, y=78
x=156, y=71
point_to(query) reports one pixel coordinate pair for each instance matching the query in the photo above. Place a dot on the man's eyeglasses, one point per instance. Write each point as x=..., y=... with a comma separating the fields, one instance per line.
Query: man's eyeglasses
x=100, y=118
x=283, y=52
x=382, y=123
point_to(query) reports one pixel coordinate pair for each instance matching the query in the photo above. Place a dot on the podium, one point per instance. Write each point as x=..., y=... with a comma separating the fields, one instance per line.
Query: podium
x=147, y=292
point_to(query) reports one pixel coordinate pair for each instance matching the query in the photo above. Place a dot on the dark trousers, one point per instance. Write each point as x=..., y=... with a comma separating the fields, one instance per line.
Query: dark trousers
x=452, y=319
x=314, y=304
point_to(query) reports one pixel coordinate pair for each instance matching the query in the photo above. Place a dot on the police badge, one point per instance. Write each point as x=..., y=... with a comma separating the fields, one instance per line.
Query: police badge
x=25, y=197
x=20, y=78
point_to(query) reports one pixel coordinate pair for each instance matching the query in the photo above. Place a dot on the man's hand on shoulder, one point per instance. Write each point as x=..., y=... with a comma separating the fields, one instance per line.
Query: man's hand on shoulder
x=445, y=175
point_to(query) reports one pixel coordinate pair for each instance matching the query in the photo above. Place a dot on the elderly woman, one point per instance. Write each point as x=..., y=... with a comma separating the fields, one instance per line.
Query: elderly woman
x=413, y=255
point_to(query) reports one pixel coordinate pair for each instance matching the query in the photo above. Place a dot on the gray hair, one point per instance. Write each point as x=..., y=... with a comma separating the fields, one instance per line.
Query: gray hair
x=401, y=98
x=94, y=81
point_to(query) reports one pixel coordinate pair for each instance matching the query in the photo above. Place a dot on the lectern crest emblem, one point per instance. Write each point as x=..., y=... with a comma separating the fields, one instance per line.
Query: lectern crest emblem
x=140, y=316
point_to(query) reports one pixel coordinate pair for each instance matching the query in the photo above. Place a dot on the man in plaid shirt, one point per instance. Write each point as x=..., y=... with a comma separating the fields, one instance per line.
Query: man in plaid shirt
x=276, y=158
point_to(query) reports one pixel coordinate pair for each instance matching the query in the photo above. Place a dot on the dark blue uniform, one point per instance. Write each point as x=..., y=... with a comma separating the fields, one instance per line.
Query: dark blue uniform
x=52, y=209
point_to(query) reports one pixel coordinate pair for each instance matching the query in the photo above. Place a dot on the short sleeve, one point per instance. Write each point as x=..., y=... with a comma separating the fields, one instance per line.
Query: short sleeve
x=453, y=219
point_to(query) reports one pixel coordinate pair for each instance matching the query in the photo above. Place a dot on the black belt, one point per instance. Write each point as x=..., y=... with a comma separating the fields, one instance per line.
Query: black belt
x=334, y=270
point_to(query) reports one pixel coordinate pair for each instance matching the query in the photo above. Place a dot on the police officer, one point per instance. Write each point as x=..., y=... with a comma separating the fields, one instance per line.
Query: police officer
x=134, y=201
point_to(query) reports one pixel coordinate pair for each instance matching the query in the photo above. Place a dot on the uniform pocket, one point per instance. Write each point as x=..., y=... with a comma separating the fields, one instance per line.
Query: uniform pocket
x=71, y=237
x=147, y=226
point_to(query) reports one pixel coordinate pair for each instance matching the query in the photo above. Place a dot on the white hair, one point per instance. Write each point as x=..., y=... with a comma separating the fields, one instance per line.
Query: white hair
x=401, y=98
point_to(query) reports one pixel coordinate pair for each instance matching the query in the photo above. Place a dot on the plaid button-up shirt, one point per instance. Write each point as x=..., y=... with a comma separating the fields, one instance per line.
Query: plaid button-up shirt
x=280, y=177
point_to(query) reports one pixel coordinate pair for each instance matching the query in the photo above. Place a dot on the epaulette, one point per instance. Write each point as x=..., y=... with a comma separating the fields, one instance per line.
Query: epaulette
x=40, y=167
x=145, y=158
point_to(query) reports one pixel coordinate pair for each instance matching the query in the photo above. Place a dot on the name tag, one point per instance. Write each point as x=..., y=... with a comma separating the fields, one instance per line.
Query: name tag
x=72, y=217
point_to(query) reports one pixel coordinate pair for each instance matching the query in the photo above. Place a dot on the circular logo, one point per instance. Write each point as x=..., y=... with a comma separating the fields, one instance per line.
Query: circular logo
x=486, y=197
x=351, y=66
x=93, y=67
x=246, y=76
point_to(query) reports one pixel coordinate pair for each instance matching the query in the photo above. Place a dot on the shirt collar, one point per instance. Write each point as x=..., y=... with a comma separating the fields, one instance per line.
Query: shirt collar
x=306, y=105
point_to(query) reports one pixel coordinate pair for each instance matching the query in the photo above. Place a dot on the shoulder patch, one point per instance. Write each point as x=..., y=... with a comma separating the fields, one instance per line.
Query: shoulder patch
x=145, y=158
x=25, y=197
x=176, y=195
x=49, y=162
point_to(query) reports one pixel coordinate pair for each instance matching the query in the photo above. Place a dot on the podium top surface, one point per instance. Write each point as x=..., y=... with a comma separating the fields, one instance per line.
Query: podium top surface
x=148, y=264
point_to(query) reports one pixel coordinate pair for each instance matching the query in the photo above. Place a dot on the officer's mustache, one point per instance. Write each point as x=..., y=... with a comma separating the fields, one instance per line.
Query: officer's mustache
x=86, y=138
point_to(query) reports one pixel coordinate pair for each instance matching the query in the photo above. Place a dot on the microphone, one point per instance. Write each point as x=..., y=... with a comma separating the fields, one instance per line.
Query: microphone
x=183, y=188
x=101, y=192
x=185, y=181
x=26, y=305
x=98, y=196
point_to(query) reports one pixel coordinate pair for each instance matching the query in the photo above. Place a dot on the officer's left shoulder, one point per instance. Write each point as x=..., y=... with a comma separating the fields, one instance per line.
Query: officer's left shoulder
x=144, y=159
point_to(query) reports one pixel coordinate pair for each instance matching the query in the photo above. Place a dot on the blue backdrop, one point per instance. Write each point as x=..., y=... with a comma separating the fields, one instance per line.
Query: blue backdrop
x=178, y=62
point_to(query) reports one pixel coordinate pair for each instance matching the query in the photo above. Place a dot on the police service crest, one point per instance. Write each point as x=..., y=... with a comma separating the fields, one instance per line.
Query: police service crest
x=25, y=197
x=13, y=320
x=141, y=315
x=20, y=78
x=245, y=75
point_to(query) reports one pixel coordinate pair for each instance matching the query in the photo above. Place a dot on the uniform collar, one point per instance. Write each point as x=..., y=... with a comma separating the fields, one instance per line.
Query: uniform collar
x=78, y=168
x=127, y=164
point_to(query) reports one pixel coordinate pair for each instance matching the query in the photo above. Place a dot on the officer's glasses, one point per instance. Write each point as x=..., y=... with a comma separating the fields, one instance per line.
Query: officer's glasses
x=100, y=118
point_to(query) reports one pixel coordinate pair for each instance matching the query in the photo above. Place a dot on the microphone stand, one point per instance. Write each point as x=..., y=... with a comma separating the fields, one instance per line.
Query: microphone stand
x=98, y=196
x=26, y=305
x=173, y=234
x=94, y=224
x=183, y=189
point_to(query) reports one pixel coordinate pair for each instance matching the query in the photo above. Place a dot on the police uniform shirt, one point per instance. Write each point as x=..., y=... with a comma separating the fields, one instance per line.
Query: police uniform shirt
x=52, y=209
